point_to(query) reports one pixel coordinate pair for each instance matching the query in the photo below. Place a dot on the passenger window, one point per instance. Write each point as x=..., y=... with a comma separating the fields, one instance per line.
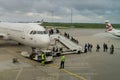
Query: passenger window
x=39, y=32
x=45, y=32
x=34, y=32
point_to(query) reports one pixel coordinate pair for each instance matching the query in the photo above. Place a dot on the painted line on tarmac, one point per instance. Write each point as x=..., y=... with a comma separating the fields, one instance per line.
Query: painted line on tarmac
x=19, y=74
x=78, y=67
x=70, y=73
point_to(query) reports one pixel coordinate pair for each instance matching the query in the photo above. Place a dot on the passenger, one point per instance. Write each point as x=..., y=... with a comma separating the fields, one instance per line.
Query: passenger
x=104, y=47
x=77, y=42
x=68, y=36
x=56, y=49
x=43, y=59
x=49, y=32
x=57, y=31
x=85, y=48
x=53, y=49
x=97, y=48
x=88, y=46
x=112, y=49
x=61, y=49
x=52, y=31
x=62, y=62
x=91, y=46
x=71, y=38
x=65, y=34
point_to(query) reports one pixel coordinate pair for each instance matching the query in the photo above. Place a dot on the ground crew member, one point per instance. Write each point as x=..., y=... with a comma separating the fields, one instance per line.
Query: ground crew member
x=112, y=49
x=43, y=59
x=62, y=61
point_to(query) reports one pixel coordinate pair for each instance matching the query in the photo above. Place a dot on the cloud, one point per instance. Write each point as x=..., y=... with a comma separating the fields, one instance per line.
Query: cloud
x=60, y=10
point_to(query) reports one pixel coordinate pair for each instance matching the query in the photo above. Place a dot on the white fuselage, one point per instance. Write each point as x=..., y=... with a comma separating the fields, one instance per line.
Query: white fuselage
x=115, y=32
x=30, y=34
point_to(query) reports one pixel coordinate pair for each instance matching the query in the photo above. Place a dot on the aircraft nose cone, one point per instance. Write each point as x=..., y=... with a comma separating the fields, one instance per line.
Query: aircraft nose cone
x=45, y=41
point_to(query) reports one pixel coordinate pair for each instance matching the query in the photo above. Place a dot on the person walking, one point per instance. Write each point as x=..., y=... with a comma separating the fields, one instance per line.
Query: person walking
x=62, y=61
x=85, y=48
x=91, y=46
x=43, y=59
x=112, y=49
x=97, y=48
x=104, y=49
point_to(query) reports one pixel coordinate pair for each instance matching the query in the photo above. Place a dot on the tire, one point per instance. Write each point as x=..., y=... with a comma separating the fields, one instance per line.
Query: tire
x=58, y=54
x=78, y=52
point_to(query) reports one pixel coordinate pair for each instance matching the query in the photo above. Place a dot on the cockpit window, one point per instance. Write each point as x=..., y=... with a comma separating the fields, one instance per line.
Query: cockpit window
x=31, y=32
x=38, y=32
x=45, y=32
x=34, y=32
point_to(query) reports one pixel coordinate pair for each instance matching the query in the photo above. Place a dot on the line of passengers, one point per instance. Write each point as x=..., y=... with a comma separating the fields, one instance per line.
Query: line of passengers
x=52, y=31
x=71, y=38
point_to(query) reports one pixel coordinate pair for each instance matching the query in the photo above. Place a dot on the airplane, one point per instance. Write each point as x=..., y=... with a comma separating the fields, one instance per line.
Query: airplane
x=111, y=30
x=30, y=34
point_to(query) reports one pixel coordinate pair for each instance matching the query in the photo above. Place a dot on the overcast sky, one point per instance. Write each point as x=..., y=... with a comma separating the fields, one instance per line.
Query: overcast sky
x=92, y=11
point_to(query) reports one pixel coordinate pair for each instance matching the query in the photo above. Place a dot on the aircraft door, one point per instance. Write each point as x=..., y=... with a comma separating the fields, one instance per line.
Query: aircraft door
x=31, y=36
x=23, y=35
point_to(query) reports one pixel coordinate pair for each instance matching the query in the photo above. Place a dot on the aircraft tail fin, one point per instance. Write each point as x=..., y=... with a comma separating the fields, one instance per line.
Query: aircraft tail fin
x=108, y=27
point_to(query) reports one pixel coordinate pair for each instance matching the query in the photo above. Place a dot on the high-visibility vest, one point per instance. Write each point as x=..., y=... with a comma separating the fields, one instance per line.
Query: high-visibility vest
x=63, y=58
x=43, y=56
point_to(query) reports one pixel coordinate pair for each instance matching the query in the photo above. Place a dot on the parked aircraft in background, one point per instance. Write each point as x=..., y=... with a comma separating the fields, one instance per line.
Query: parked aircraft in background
x=30, y=34
x=111, y=30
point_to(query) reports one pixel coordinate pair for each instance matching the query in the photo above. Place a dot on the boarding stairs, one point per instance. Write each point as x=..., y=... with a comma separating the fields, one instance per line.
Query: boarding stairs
x=67, y=43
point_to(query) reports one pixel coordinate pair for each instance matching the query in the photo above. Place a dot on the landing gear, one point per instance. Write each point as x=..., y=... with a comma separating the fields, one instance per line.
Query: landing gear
x=33, y=50
x=58, y=54
x=78, y=52
x=33, y=53
x=19, y=44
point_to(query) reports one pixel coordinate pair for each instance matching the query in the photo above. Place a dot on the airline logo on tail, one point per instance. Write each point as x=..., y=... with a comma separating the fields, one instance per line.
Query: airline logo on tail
x=108, y=27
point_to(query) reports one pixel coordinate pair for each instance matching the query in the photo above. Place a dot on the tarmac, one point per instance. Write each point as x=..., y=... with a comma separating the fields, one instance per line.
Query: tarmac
x=86, y=66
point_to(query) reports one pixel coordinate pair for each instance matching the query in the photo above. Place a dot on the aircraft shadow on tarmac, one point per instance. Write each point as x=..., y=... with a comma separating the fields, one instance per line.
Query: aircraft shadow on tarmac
x=9, y=44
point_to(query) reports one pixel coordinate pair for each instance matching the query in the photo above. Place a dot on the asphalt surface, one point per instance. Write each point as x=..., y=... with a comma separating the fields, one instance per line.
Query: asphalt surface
x=86, y=66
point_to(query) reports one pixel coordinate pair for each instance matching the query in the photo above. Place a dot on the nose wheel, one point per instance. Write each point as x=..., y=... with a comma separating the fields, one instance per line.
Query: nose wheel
x=19, y=44
x=33, y=50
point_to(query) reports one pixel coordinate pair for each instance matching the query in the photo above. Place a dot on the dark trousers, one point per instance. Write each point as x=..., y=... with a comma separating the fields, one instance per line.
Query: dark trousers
x=62, y=64
x=111, y=51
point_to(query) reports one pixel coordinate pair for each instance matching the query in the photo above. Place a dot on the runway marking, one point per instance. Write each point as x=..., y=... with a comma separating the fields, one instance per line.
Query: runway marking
x=70, y=73
x=19, y=74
